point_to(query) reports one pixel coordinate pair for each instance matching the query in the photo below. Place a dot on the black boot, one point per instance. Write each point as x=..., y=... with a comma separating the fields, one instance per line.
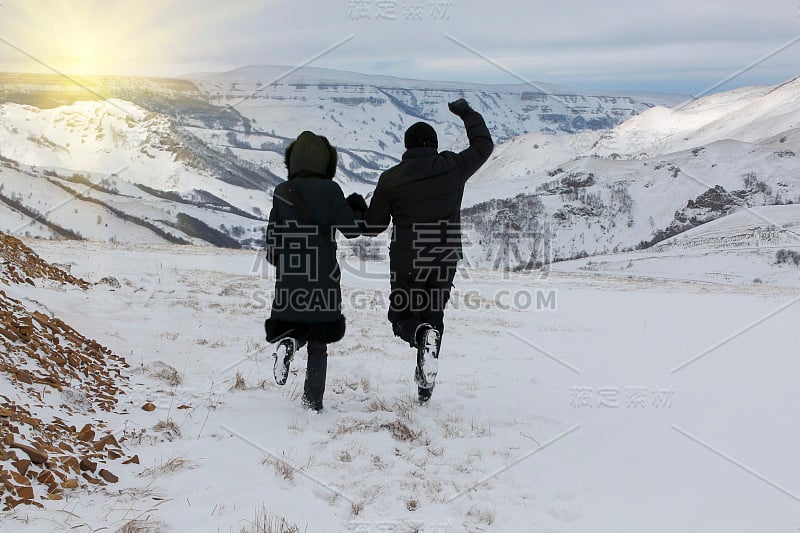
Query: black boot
x=316, y=372
x=311, y=404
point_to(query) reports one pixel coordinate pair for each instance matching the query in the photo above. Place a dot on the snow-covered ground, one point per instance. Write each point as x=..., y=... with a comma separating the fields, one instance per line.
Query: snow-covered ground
x=739, y=249
x=579, y=414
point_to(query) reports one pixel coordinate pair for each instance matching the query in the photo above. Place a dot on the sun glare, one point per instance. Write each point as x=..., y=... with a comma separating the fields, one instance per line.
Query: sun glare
x=94, y=37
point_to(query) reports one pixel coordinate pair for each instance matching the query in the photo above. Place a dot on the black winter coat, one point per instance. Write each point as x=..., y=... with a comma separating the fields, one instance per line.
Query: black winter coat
x=307, y=286
x=422, y=196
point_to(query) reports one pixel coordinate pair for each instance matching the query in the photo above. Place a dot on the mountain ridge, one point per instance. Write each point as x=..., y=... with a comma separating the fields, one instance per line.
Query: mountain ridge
x=326, y=75
x=200, y=171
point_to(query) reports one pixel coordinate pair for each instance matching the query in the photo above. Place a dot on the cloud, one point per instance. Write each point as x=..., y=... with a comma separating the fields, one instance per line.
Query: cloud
x=677, y=45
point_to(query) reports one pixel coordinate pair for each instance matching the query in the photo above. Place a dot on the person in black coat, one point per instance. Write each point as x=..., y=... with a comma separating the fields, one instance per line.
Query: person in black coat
x=307, y=210
x=422, y=197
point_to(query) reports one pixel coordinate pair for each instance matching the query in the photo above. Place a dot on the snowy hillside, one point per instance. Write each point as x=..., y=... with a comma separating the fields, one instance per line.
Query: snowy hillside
x=750, y=115
x=134, y=169
x=749, y=247
x=648, y=178
x=211, y=146
x=773, y=226
x=118, y=137
x=513, y=440
x=155, y=148
x=46, y=204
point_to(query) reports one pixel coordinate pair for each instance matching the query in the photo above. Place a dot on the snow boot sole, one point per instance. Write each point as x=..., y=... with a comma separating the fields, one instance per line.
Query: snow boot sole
x=283, y=355
x=428, y=359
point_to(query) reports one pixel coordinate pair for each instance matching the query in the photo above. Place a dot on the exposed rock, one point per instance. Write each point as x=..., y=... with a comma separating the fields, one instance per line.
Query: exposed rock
x=38, y=457
x=88, y=464
x=26, y=493
x=86, y=434
x=108, y=476
x=22, y=465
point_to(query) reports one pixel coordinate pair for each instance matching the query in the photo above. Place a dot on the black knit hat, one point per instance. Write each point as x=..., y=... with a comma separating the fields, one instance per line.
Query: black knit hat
x=311, y=154
x=421, y=134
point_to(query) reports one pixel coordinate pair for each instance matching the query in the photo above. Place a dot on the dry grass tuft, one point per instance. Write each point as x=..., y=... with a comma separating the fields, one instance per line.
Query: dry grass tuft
x=345, y=457
x=356, y=508
x=239, y=383
x=266, y=522
x=480, y=428
x=281, y=467
x=168, y=430
x=402, y=431
x=406, y=407
x=166, y=373
x=454, y=427
x=148, y=525
x=482, y=515
x=169, y=466
x=377, y=404
x=347, y=425
x=451, y=426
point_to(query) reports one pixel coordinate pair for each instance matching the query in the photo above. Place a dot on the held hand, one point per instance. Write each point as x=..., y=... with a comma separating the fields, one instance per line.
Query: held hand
x=460, y=107
x=357, y=203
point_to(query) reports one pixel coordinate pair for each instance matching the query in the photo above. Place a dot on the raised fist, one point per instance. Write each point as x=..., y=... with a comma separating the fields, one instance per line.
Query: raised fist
x=460, y=107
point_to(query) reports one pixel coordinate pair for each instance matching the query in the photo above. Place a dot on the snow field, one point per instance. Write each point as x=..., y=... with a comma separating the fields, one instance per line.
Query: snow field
x=549, y=420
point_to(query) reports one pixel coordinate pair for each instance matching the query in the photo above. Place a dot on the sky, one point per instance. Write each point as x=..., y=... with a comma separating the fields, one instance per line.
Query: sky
x=680, y=46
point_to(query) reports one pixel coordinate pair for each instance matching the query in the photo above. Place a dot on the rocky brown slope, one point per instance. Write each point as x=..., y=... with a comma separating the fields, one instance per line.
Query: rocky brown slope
x=51, y=376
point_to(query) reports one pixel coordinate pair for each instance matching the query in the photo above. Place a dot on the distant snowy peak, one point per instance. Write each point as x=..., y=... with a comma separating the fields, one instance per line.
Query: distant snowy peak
x=750, y=115
x=368, y=114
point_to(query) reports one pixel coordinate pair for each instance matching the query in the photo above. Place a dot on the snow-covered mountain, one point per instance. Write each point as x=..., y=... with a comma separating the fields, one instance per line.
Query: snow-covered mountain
x=656, y=175
x=193, y=160
x=369, y=114
x=752, y=115
x=127, y=174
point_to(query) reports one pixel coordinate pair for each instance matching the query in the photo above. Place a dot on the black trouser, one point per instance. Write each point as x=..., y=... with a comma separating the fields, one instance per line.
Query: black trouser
x=316, y=370
x=419, y=297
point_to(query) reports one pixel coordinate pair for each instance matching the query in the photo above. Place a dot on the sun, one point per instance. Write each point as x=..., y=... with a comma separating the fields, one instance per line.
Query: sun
x=85, y=56
x=80, y=36
x=98, y=37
